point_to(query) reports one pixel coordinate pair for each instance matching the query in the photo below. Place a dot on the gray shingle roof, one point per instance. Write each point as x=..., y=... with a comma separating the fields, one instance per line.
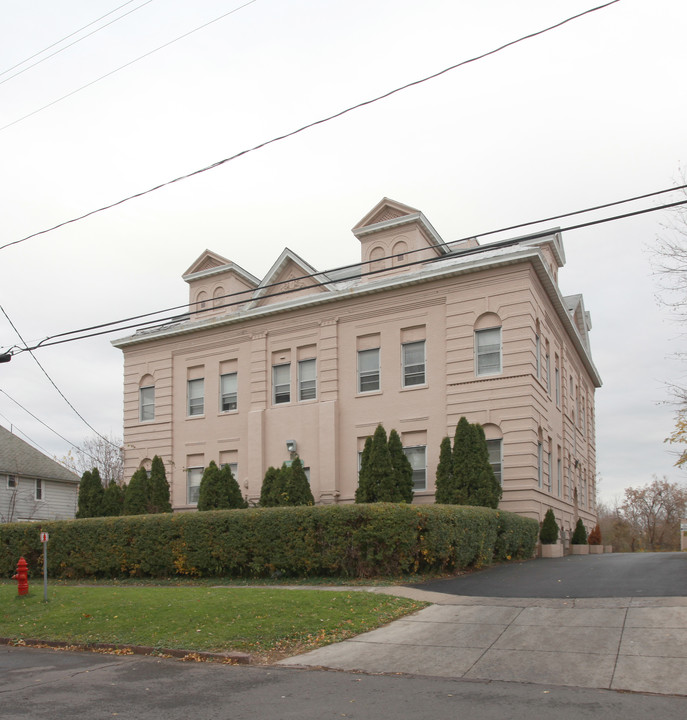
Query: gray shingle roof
x=19, y=458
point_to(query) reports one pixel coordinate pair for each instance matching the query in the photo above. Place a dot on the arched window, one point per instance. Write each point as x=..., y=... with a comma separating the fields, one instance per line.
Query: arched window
x=399, y=251
x=146, y=398
x=218, y=297
x=488, y=346
x=377, y=255
x=201, y=300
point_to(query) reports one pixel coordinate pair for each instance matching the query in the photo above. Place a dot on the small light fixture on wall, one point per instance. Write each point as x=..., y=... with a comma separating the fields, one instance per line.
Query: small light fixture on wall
x=291, y=446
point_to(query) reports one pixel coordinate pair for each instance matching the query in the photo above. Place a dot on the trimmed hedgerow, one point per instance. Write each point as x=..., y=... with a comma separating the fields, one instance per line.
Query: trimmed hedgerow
x=363, y=540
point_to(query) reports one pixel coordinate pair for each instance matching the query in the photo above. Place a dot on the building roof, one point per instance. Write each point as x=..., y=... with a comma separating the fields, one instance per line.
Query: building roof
x=19, y=458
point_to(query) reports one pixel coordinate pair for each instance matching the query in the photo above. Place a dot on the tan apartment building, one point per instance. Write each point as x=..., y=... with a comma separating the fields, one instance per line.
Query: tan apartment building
x=420, y=333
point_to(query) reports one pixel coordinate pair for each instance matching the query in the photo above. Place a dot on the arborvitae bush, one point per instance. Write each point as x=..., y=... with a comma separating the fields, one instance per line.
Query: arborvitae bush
x=595, y=536
x=549, y=529
x=113, y=500
x=403, y=470
x=136, y=494
x=270, y=488
x=365, y=493
x=236, y=499
x=158, y=488
x=464, y=474
x=212, y=493
x=297, y=488
x=445, y=486
x=90, y=495
x=580, y=535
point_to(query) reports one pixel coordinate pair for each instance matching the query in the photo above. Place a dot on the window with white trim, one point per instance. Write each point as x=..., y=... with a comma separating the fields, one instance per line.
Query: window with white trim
x=147, y=403
x=307, y=379
x=488, y=351
x=193, y=477
x=417, y=456
x=540, y=464
x=196, y=397
x=413, y=363
x=368, y=370
x=38, y=489
x=495, y=449
x=228, y=391
x=12, y=482
x=281, y=384
x=538, y=355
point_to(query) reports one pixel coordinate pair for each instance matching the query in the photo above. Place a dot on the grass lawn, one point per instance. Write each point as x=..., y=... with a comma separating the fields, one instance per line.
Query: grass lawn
x=269, y=623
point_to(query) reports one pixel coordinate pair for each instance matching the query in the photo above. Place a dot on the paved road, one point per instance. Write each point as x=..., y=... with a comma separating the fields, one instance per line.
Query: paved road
x=54, y=685
x=626, y=575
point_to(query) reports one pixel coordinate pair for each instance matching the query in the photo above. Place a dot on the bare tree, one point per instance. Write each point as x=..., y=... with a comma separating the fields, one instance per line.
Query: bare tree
x=25, y=499
x=104, y=453
x=653, y=512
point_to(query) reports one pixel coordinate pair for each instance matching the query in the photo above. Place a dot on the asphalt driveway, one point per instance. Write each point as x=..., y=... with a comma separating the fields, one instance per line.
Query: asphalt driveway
x=625, y=575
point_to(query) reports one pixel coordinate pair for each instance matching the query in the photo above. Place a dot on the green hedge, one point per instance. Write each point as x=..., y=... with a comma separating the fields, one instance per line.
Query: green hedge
x=367, y=540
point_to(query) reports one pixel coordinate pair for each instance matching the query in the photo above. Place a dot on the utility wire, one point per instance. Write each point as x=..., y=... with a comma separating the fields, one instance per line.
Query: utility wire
x=309, y=125
x=15, y=429
x=52, y=430
x=66, y=47
x=52, y=382
x=126, y=65
x=323, y=280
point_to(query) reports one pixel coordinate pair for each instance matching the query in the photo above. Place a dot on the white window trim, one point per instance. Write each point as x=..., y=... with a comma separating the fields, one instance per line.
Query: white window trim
x=404, y=365
x=12, y=482
x=222, y=394
x=369, y=373
x=143, y=405
x=424, y=450
x=38, y=486
x=282, y=385
x=540, y=464
x=500, y=463
x=301, y=381
x=477, y=334
x=189, y=486
x=201, y=397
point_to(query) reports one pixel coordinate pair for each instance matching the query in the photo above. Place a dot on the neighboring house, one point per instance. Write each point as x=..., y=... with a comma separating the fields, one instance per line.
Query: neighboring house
x=419, y=334
x=32, y=486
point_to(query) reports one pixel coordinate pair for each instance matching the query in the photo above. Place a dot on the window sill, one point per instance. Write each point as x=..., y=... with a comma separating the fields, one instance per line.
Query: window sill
x=196, y=417
x=369, y=393
x=408, y=388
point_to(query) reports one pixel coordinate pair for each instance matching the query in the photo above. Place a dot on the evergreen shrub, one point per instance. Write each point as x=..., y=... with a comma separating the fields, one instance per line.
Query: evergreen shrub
x=549, y=529
x=580, y=534
x=361, y=540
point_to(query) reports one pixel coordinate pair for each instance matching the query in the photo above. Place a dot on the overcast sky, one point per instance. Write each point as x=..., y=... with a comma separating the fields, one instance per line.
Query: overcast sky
x=591, y=112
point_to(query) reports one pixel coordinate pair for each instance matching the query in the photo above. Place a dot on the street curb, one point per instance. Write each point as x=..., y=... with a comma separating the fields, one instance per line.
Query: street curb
x=234, y=658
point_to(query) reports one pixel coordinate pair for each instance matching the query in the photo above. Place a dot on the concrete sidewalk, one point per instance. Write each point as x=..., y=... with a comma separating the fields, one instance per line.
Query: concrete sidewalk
x=630, y=644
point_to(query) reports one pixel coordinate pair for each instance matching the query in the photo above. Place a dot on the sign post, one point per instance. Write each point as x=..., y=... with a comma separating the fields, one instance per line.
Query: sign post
x=44, y=540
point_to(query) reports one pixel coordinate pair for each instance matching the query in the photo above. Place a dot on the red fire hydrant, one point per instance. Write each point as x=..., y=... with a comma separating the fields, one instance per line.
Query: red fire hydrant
x=22, y=577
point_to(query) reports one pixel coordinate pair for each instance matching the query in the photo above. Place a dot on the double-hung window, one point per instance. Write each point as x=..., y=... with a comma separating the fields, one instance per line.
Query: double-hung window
x=281, y=384
x=413, y=361
x=495, y=450
x=368, y=370
x=39, y=489
x=417, y=457
x=228, y=388
x=307, y=379
x=488, y=351
x=147, y=403
x=12, y=482
x=193, y=477
x=196, y=397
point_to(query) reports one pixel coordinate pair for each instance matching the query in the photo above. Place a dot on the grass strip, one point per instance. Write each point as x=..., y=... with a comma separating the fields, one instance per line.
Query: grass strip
x=267, y=622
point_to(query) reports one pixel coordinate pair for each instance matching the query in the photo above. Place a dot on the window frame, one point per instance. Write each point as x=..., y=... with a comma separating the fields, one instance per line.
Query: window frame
x=38, y=490
x=285, y=394
x=491, y=443
x=418, y=470
x=234, y=392
x=144, y=404
x=199, y=470
x=312, y=383
x=12, y=482
x=540, y=464
x=197, y=410
x=406, y=374
x=366, y=374
x=482, y=333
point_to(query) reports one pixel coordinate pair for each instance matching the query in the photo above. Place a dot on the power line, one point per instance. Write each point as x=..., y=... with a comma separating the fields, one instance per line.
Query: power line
x=309, y=125
x=126, y=65
x=52, y=382
x=86, y=333
x=14, y=428
x=66, y=47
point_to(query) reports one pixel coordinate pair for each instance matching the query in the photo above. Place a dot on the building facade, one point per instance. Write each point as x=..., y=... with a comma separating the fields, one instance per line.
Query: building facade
x=32, y=485
x=420, y=333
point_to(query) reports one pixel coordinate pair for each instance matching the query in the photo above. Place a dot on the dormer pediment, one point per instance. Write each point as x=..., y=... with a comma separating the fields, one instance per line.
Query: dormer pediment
x=385, y=210
x=288, y=278
x=206, y=262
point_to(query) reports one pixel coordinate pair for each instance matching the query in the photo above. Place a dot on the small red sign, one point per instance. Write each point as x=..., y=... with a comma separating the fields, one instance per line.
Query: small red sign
x=44, y=537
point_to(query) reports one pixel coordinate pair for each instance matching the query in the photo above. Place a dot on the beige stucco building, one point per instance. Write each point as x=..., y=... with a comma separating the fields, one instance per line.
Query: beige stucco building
x=417, y=335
